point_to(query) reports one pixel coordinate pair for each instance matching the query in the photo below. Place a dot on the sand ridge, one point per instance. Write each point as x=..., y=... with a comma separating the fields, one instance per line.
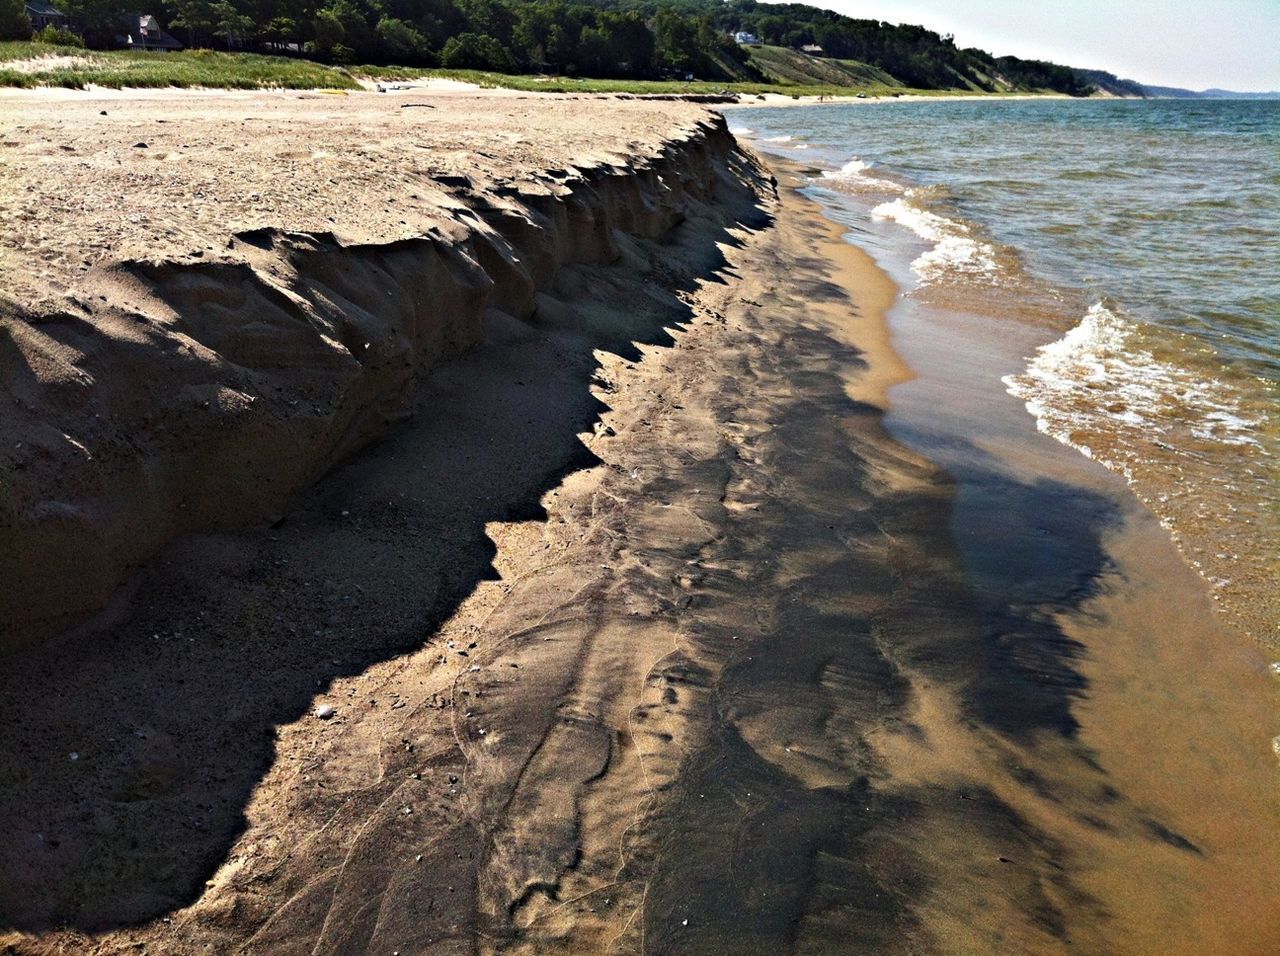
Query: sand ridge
x=198, y=322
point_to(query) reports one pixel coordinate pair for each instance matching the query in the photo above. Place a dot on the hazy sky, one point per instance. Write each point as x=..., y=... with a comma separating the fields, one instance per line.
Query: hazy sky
x=1233, y=44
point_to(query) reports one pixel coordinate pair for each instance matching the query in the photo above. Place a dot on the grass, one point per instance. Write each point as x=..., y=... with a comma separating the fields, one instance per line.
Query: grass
x=546, y=84
x=30, y=65
x=793, y=68
x=21, y=65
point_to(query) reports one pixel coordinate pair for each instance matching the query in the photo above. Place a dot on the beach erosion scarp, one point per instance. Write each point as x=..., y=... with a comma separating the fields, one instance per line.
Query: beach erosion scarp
x=209, y=301
x=645, y=627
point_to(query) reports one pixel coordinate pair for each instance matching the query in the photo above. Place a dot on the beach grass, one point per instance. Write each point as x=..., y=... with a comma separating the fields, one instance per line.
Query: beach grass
x=30, y=65
x=563, y=84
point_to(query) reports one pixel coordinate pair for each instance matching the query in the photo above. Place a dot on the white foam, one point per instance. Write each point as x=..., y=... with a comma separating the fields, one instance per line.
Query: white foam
x=955, y=251
x=1099, y=379
x=778, y=139
x=741, y=130
x=854, y=177
x=849, y=170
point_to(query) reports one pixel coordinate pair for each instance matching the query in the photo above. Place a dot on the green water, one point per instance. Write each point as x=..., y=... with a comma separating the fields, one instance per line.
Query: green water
x=1143, y=236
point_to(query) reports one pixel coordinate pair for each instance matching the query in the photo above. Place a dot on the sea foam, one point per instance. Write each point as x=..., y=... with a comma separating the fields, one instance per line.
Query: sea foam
x=955, y=252
x=1100, y=380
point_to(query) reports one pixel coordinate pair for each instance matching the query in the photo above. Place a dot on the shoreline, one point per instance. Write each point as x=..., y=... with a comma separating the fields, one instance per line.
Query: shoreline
x=1134, y=671
x=1178, y=475
x=647, y=630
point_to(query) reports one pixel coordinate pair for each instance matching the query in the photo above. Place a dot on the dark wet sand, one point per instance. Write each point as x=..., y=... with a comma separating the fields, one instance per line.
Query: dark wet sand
x=739, y=672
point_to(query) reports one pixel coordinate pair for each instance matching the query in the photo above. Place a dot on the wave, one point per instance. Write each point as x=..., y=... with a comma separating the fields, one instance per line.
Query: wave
x=955, y=251
x=1100, y=380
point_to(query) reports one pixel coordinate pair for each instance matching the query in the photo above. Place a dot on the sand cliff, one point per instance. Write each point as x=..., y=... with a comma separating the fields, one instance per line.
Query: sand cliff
x=641, y=631
x=209, y=303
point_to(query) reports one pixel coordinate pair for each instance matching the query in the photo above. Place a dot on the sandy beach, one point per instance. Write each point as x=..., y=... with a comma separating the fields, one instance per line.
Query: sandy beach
x=453, y=524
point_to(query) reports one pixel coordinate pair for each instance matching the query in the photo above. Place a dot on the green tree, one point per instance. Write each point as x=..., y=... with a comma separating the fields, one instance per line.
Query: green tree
x=231, y=25
x=281, y=31
x=474, y=51
x=194, y=17
x=327, y=32
x=14, y=22
x=99, y=20
x=399, y=42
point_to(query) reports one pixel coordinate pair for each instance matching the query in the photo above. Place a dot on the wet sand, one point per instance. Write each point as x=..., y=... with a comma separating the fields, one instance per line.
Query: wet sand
x=656, y=629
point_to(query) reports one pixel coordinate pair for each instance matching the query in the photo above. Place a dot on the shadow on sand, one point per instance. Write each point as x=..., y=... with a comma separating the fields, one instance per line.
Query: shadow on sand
x=132, y=744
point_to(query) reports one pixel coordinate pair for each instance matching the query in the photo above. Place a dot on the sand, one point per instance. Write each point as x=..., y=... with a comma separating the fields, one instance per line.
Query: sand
x=210, y=300
x=640, y=630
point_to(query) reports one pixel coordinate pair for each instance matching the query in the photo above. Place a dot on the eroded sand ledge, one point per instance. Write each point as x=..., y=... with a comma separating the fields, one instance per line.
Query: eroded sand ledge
x=643, y=634
x=197, y=322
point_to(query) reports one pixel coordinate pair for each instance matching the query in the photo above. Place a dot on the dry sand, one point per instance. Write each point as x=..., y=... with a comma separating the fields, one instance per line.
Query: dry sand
x=641, y=633
x=208, y=300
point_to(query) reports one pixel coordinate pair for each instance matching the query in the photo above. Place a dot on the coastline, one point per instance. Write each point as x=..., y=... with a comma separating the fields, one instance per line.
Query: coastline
x=1150, y=623
x=644, y=632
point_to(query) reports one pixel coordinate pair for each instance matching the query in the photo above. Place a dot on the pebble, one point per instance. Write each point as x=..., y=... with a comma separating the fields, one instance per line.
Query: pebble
x=325, y=711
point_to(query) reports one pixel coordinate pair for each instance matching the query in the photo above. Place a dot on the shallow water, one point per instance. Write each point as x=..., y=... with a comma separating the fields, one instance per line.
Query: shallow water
x=1137, y=241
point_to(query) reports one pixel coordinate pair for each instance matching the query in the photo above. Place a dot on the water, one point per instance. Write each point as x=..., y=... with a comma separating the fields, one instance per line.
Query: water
x=1143, y=237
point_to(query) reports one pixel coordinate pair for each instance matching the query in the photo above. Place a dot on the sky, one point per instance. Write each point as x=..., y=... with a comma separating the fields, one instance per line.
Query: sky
x=1231, y=44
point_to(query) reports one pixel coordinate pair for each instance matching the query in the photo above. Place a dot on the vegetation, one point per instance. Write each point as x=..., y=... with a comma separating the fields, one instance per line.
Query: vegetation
x=621, y=40
x=787, y=66
x=57, y=36
x=39, y=64
x=1112, y=84
x=14, y=22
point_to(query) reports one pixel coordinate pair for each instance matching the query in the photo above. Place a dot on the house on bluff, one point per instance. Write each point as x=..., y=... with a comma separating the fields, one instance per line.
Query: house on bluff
x=45, y=14
x=142, y=31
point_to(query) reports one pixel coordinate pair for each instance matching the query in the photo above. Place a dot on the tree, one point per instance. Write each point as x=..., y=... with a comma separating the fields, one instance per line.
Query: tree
x=473, y=51
x=231, y=25
x=98, y=19
x=281, y=31
x=400, y=42
x=195, y=17
x=14, y=22
x=327, y=31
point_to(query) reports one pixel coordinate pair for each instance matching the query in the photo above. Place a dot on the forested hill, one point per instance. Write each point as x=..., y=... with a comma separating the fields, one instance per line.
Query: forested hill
x=915, y=55
x=625, y=39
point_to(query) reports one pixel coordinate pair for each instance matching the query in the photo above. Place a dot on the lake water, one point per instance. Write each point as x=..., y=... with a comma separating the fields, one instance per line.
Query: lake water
x=1142, y=237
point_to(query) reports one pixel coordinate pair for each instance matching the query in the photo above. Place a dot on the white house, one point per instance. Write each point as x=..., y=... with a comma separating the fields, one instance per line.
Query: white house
x=746, y=39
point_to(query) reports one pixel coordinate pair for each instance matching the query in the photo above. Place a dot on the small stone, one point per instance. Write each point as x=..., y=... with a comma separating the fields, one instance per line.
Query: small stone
x=325, y=711
x=74, y=755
